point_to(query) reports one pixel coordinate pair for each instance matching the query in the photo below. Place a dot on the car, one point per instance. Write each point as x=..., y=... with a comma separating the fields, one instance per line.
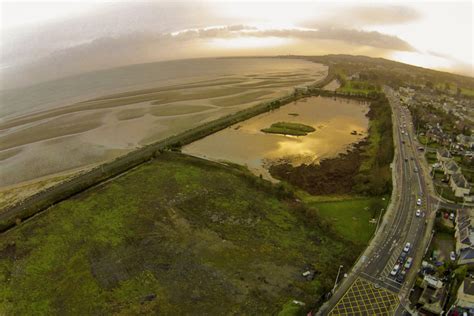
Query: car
x=402, y=257
x=395, y=270
x=451, y=216
x=400, y=277
x=418, y=202
x=406, y=159
x=407, y=247
x=415, y=169
x=408, y=263
x=418, y=213
x=452, y=256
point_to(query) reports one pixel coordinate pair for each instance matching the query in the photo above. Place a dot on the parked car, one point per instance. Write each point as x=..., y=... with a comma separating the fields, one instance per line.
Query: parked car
x=395, y=270
x=418, y=213
x=402, y=257
x=452, y=256
x=407, y=247
x=408, y=263
x=418, y=202
x=451, y=216
x=401, y=277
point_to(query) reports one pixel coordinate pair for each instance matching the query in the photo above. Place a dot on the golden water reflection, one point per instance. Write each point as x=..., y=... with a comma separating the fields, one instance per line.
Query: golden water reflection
x=335, y=120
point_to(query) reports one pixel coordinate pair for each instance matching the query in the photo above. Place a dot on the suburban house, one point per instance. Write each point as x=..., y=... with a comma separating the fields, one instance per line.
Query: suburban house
x=464, y=234
x=464, y=304
x=451, y=167
x=465, y=297
x=458, y=183
x=466, y=141
x=433, y=297
x=443, y=155
x=460, y=186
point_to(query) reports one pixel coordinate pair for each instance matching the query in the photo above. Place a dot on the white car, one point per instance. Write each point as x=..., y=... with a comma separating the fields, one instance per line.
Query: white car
x=418, y=213
x=407, y=247
x=418, y=202
x=395, y=270
x=452, y=256
x=408, y=263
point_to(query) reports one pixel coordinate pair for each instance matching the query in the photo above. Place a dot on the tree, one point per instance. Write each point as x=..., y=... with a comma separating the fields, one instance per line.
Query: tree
x=376, y=206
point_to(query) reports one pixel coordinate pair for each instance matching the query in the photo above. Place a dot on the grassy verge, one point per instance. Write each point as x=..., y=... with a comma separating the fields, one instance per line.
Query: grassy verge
x=446, y=192
x=353, y=218
x=431, y=157
x=287, y=128
x=175, y=236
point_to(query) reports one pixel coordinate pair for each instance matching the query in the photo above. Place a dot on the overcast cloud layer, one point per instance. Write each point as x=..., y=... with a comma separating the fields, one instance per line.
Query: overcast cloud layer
x=127, y=33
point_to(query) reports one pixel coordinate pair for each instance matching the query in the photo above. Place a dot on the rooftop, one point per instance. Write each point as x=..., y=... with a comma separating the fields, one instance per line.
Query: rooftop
x=452, y=166
x=460, y=181
x=443, y=152
x=469, y=286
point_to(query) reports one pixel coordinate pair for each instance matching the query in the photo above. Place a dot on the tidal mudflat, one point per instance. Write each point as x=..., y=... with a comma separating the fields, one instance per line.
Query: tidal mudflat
x=338, y=124
x=76, y=122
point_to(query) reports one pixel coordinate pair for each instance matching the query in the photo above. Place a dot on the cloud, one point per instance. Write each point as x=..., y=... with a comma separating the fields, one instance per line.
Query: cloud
x=378, y=15
x=374, y=39
x=142, y=47
x=366, y=38
x=366, y=16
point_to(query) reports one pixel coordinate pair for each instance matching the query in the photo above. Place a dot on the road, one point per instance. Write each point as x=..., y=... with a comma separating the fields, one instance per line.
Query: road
x=399, y=226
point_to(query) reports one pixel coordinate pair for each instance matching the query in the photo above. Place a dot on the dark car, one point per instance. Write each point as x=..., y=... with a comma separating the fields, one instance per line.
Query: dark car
x=401, y=277
x=402, y=257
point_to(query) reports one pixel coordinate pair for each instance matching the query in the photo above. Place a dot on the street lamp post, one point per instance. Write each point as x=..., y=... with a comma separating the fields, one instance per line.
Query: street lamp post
x=337, y=277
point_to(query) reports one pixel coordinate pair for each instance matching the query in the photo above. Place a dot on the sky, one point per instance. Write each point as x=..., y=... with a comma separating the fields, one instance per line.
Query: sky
x=47, y=40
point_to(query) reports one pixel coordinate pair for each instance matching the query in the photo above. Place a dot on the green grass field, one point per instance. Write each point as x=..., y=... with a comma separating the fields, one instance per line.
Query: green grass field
x=358, y=87
x=350, y=215
x=467, y=92
x=175, y=236
x=288, y=128
x=431, y=157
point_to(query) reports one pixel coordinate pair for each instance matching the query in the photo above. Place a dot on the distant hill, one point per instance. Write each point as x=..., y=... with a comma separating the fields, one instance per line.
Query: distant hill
x=390, y=72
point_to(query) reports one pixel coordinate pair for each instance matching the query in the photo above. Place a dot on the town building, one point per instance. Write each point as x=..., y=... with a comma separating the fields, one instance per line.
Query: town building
x=466, y=141
x=464, y=234
x=450, y=167
x=465, y=297
x=459, y=185
x=433, y=297
x=443, y=155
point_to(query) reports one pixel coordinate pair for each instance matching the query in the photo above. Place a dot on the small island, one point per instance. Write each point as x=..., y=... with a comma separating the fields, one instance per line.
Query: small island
x=287, y=128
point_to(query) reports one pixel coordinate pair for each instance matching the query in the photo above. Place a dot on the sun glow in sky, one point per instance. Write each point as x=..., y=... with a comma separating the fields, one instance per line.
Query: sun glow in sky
x=431, y=34
x=248, y=42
